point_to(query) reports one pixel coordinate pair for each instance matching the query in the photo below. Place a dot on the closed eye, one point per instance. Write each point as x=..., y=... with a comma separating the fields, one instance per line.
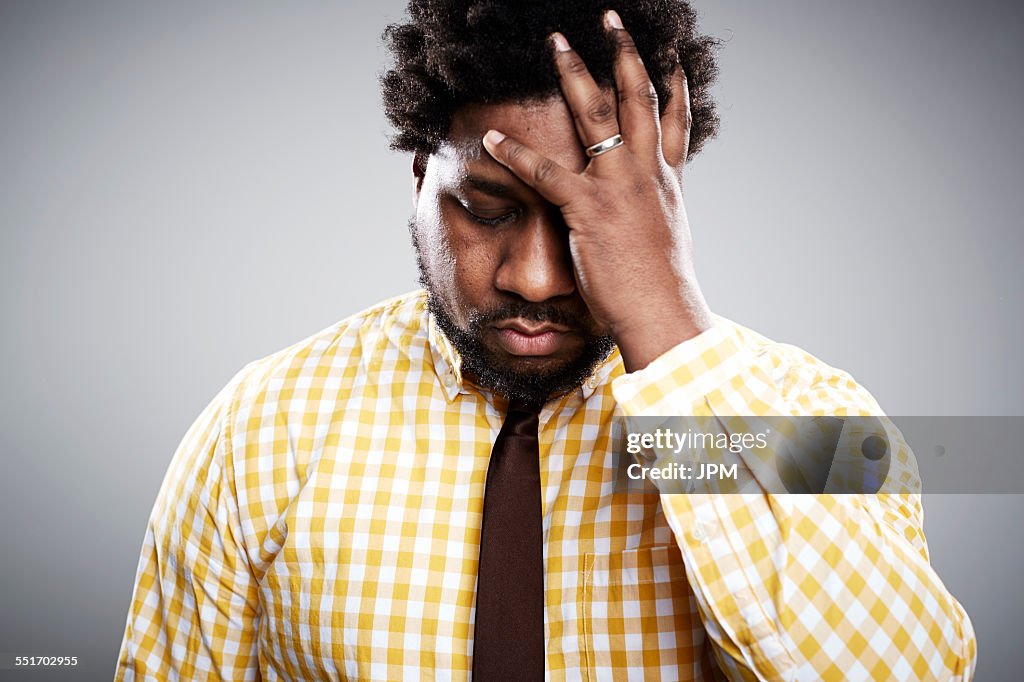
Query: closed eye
x=491, y=221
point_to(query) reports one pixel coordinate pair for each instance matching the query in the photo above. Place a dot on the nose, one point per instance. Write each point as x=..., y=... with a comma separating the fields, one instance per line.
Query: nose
x=536, y=263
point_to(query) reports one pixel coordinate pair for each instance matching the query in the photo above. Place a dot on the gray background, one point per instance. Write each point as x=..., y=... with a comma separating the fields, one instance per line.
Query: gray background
x=188, y=186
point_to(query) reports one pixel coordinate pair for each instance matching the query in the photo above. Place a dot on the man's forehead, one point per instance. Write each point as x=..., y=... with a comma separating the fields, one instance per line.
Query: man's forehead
x=545, y=125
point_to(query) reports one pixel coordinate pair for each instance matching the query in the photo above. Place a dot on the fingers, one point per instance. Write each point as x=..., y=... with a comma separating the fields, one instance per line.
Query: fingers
x=593, y=109
x=555, y=183
x=638, y=101
x=676, y=120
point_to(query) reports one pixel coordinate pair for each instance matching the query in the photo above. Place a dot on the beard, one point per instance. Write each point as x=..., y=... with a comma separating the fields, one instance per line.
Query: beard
x=504, y=376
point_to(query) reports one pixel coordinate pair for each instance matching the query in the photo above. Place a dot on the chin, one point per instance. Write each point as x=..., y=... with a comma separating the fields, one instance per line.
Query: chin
x=535, y=365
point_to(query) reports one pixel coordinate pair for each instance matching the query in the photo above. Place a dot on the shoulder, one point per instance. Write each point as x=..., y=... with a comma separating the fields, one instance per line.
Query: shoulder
x=390, y=333
x=256, y=443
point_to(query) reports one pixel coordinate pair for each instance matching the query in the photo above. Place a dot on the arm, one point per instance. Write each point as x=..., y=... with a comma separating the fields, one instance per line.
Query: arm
x=790, y=586
x=195, y=607
x=802, y=587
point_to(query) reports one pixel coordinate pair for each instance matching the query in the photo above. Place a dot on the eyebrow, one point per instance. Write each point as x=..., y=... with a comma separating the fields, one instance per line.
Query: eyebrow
x=488, y=186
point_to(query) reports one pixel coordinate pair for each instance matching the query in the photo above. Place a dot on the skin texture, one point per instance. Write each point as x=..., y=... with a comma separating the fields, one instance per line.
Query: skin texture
x=603, y=242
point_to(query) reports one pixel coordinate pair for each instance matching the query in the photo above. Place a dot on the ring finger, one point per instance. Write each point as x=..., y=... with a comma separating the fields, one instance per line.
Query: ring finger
x=593, y=109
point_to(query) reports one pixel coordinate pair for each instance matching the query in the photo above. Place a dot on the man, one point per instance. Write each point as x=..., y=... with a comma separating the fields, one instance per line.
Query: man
x=433, y=487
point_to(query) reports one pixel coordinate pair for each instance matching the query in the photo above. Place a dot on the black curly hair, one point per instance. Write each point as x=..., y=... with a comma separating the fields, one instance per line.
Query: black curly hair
x=457, y=52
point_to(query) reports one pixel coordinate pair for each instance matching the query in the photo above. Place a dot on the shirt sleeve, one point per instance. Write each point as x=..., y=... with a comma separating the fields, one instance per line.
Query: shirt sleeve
x=195, y=607
x=799, y=587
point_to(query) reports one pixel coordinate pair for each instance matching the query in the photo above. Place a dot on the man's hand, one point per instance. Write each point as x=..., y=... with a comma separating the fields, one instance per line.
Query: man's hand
x=628, y=233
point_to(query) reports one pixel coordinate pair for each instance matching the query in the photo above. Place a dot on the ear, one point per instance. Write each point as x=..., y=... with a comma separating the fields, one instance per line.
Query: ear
x=419, y=171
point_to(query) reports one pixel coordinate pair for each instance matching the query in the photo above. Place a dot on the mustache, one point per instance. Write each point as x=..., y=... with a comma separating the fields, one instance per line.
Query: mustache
x=535, y=312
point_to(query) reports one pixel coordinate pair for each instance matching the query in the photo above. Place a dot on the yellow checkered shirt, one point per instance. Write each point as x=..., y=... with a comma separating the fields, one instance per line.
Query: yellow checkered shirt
x=321, y=521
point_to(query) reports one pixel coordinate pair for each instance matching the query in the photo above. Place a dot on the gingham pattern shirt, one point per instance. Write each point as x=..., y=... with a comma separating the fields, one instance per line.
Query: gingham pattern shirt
x=321, y=521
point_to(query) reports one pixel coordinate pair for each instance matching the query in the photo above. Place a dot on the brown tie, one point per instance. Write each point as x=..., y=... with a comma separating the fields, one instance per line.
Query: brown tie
x=509, y=638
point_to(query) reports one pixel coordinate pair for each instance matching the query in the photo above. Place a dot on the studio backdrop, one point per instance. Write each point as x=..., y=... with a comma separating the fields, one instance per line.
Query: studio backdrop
x=189, y=186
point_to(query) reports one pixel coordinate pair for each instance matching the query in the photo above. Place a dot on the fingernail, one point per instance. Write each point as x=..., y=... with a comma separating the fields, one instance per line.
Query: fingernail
x=561, y=44
x=494, y=137
x=612, y=18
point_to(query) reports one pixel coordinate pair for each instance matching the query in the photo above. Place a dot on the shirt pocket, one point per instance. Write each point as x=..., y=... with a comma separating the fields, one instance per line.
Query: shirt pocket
x=640, y=618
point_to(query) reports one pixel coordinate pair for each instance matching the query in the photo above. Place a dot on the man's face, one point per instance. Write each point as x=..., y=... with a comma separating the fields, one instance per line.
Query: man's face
x=495, y=256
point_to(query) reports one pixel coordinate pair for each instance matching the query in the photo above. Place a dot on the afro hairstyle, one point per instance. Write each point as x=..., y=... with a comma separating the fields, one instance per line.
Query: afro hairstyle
x=453, y=53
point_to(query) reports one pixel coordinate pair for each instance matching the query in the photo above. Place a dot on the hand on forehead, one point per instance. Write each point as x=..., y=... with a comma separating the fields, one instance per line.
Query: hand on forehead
x=544, y=124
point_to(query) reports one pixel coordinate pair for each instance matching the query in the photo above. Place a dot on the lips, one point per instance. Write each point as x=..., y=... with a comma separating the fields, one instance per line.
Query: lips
x=525, y=338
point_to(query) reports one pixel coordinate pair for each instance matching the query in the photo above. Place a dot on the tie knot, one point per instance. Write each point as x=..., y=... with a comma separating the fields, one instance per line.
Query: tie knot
x=522, y=417
x=521, y=406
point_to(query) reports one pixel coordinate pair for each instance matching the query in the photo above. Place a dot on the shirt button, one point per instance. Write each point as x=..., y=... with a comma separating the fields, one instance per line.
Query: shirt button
x=449, y=380
x=703, y=529
x=592, y=383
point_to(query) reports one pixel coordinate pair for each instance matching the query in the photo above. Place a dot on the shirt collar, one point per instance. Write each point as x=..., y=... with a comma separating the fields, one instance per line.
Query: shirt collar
x=447, y=361
x=602, y=374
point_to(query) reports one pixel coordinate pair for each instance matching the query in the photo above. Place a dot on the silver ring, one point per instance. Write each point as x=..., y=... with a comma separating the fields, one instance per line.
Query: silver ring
x=605, y=146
